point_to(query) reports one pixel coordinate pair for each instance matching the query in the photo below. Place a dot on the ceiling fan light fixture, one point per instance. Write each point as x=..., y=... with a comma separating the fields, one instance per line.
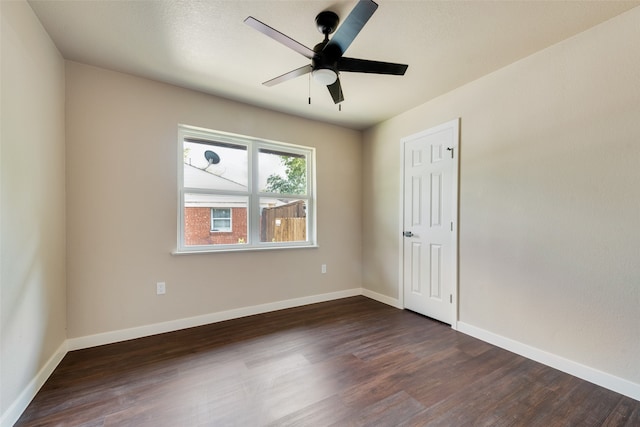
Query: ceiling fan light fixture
x=324, y=76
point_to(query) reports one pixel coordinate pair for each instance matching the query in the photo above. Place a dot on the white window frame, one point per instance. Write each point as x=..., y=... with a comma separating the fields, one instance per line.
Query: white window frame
x=253, y=145
x=230, y=218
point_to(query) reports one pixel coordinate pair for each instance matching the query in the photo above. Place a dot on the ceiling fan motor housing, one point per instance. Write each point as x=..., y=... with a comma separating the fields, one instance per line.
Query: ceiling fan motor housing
x=326, y=58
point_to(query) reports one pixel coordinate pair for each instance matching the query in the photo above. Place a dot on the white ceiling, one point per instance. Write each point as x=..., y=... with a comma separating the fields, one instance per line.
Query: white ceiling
x=204, y=45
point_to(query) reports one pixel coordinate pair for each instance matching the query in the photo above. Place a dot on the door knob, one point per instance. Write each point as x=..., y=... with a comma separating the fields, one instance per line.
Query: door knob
x=407, y=234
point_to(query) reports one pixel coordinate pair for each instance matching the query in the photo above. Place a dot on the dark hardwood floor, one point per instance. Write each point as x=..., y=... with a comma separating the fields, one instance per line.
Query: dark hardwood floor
x=351, y=362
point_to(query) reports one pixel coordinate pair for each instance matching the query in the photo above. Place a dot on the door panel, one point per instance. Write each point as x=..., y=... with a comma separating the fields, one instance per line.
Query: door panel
x=435, y=265
x=416, y=260
x=436, y=200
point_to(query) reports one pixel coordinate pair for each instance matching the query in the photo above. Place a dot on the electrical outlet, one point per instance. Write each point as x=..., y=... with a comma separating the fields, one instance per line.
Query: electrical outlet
x=161, y=288
x=323, y=268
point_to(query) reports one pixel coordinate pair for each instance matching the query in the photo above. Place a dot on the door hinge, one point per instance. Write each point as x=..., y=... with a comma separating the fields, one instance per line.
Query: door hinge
x=450, y=298
x=451, y=225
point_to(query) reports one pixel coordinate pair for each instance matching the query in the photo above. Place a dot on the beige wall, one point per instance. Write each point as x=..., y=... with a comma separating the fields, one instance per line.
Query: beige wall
x=549, y=198
x=122, y=207
x=32, y=276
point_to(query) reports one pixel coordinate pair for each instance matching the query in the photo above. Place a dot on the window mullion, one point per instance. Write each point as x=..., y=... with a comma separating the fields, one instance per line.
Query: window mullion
x=254, y=199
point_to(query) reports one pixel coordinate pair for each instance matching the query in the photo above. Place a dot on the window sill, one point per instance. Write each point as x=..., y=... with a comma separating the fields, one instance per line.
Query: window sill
x=240, y=249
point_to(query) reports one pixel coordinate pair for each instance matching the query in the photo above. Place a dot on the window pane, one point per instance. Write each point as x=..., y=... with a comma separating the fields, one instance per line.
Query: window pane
x=283, y=220
x=200, y=228
x=282, y=172
x=221, y=212
x=221, y=225
x=215, y=165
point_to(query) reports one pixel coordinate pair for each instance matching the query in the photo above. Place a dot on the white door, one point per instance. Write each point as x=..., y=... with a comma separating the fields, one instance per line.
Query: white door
x=429, y=241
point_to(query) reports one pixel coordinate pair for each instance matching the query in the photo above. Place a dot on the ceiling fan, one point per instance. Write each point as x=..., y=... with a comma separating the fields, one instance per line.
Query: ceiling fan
x=326, y=57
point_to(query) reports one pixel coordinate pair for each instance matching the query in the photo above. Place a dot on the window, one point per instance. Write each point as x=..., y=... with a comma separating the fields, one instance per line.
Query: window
x=221, y=219
x=238, y=192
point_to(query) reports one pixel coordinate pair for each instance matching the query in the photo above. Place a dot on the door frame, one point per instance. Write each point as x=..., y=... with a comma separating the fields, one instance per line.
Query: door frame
x=455, y=125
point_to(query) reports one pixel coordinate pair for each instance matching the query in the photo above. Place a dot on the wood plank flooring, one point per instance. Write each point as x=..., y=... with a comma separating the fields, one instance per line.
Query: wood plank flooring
x=350, y=362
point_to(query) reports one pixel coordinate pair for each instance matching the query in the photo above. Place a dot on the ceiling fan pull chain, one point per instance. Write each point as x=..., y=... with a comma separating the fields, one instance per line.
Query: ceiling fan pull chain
x=309, y=88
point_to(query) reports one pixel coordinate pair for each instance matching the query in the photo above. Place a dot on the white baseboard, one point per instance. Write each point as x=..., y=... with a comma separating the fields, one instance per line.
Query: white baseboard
x=12, y=414
x=205, y=319
x=611, y=382
x=393, y=302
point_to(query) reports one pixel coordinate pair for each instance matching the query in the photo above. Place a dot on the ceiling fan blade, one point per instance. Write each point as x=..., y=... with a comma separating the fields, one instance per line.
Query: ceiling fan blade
x=336, y=91
x=365, y=66
x=288, y=76
x=351, y=26
x=279, y=37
